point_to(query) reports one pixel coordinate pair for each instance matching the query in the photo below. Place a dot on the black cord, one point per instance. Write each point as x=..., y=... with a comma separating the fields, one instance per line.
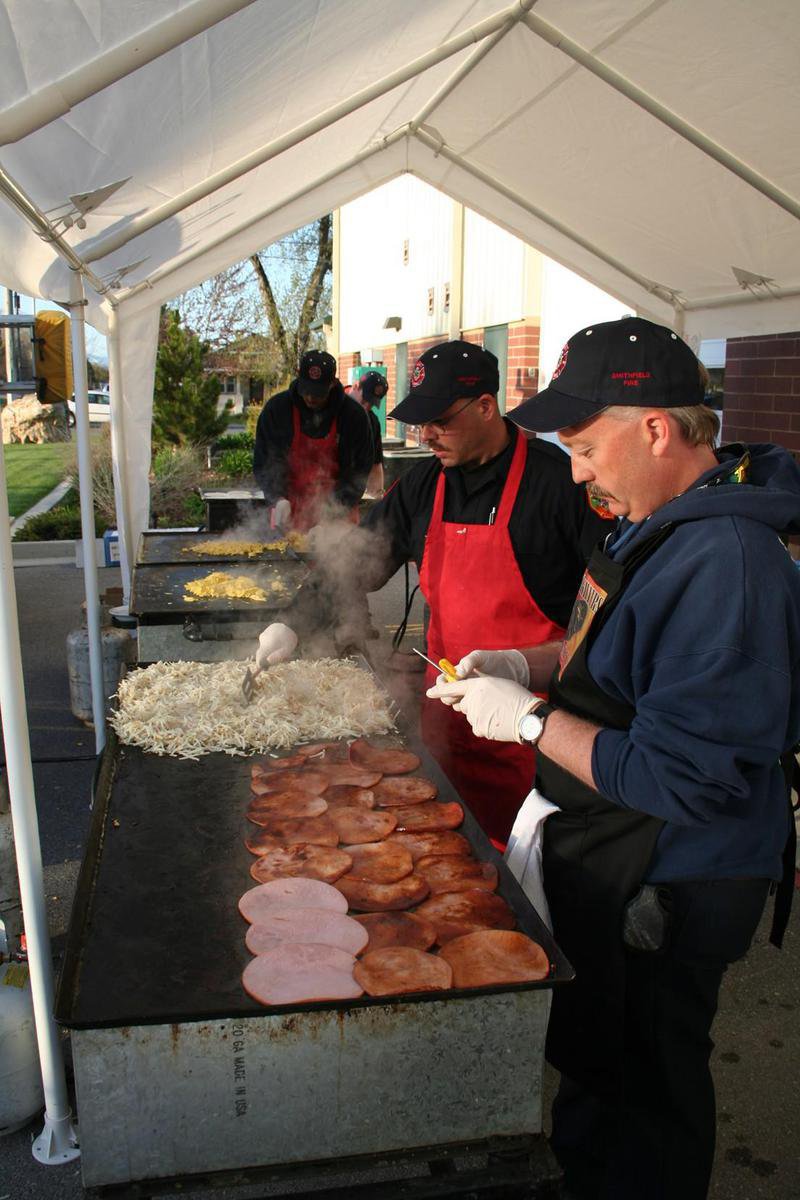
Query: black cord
x=72, y=758
x=400, y=632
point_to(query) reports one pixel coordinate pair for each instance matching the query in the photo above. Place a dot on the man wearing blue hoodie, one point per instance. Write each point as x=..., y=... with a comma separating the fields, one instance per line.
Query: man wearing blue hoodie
x=673, y=698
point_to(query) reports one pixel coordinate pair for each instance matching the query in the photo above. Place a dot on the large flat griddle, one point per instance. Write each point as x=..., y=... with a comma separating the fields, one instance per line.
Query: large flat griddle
x=175, y=548
x=155, y=935
x=157, y=590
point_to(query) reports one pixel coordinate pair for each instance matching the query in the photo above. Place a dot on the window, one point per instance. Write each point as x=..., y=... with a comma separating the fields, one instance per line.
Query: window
x=230, y=383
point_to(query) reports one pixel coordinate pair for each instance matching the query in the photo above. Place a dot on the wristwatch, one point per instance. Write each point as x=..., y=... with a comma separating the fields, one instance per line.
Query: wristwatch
x=531, y=727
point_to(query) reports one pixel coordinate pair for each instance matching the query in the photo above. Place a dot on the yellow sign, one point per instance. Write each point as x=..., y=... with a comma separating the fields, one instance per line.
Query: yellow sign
x=53, y=357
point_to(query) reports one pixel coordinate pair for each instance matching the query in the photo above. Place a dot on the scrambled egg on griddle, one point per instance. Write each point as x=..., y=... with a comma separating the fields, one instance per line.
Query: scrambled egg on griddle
x=248, y=549
x=219, y=586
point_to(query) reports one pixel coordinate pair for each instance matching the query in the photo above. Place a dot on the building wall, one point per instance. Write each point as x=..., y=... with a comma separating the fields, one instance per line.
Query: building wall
x=494, y=274
x=375, y=281
x=762, y=390
x=506, y=283
x=523, y=362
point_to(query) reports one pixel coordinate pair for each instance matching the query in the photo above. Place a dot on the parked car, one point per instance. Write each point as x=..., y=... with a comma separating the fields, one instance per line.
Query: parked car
x=99, y=408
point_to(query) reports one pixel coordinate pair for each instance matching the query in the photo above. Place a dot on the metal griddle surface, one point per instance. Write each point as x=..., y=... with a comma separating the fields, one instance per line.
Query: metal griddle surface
x=155, y=935
x=175, y=548
x=158, y=590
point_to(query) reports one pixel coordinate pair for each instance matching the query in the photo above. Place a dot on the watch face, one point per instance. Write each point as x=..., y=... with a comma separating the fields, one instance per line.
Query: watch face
x=531, y=727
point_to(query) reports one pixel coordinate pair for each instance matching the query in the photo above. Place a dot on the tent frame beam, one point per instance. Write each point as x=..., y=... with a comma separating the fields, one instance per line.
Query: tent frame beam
x=57, y=99
x=165, y=273
x=103, y=246
x=743, y=297
x=559, y=41
x=466, y=68
x=19, y=199
x=434, y=142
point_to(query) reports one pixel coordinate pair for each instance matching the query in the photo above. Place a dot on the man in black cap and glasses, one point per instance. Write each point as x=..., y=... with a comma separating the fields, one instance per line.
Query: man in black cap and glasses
x=498, y=532
x=672, y=701
x=313, y=447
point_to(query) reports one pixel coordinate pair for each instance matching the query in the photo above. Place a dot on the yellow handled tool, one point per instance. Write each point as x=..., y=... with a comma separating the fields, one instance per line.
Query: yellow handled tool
x=444, y=665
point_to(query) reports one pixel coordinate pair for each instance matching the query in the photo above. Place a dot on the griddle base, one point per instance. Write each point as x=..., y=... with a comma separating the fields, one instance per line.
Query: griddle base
x=518, y=1168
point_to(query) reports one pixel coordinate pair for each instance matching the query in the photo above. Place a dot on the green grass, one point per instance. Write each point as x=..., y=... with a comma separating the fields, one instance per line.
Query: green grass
x=32, y=471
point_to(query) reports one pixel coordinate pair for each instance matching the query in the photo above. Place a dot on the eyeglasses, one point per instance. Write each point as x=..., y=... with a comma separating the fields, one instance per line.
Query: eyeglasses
x=440, y=426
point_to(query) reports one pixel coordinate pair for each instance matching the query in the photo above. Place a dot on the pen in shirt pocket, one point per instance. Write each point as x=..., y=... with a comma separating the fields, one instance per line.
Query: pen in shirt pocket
x=492, y=515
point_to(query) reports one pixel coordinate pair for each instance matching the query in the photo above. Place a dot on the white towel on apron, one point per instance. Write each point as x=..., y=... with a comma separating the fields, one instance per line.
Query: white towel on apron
x=524, y=850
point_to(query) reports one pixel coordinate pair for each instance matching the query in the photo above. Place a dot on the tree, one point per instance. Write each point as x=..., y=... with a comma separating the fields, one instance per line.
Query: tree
x=309, y=254
x=185, y=396
x=274, y=296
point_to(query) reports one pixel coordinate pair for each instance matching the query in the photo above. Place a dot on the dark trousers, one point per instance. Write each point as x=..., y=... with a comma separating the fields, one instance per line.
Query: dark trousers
x=657, y=1141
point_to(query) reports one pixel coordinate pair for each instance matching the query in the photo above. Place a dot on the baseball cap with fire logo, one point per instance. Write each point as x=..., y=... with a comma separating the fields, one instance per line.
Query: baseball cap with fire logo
x=615, y=363
x=448, y=372
x=317, y=372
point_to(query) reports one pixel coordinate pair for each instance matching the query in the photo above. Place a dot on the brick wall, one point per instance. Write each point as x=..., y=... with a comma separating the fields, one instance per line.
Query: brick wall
x=523, y=356
x=762, y=390
x=346, y=361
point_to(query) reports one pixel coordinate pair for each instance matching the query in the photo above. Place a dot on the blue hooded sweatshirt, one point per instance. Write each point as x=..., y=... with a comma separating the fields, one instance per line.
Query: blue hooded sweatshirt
x=705, y=645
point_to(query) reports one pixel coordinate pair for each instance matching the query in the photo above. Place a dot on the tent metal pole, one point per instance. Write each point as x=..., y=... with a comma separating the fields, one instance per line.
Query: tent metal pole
x=165, y=272
x=441, y=148
x=94, y=250
x=48, y=103
x=584, y=58
x=744, y=297
x=478, y=54
x=19, y=200
x=81, y=389
x=119, y=453
x=57, y=1143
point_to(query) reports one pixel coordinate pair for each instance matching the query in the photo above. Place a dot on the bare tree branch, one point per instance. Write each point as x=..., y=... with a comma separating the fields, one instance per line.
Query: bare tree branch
x=315, y=284
x=276, y=325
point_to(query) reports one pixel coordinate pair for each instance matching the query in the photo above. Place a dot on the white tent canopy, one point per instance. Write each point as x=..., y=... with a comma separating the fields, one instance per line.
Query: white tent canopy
x=651, y=147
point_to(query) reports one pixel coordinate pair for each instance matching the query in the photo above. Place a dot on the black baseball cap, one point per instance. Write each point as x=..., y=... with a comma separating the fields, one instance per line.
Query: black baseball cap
x=448, y=372
x=373, y=386
x=317, y=372
x=615, y=363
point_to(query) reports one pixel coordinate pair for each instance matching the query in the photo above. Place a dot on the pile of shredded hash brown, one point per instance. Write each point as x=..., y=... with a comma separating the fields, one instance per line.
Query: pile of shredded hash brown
x=188, y=709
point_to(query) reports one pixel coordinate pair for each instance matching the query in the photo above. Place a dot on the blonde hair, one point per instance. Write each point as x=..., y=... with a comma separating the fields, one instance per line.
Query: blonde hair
x=698, y=424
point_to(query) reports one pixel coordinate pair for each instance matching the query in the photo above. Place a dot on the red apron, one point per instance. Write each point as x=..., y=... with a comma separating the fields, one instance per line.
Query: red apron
x=313, y=468
x=478, y=600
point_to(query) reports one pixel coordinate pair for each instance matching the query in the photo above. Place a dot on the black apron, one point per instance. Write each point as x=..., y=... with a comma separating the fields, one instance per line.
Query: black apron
x=595, y=854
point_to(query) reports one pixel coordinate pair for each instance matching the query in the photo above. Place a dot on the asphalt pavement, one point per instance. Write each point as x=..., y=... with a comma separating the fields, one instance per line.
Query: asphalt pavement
x=757, y=1038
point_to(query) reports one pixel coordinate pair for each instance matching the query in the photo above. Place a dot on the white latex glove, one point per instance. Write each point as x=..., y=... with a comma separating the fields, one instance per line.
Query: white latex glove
x=276, y=644
x=281, y=514
x=502, y=664
x=493, y=707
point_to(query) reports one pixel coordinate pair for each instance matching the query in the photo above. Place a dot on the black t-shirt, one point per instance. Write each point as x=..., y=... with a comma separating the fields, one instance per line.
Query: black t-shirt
x=275, y=430
x=552, y=527
x=377, y=436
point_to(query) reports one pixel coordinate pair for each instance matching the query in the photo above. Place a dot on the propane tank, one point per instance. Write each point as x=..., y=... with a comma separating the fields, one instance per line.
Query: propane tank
x=21, y=1092
x=116, y=650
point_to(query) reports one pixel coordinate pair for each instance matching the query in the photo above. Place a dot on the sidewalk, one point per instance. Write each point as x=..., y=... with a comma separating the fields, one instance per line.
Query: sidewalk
x=757, y=1034
x=44, y=505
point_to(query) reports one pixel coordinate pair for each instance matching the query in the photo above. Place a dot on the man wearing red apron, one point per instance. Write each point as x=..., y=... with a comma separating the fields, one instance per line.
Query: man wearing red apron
x=313, y=448
x=496, y=527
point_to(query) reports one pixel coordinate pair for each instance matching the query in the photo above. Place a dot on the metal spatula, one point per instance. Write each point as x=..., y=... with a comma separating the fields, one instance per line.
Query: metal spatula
x=249, y=682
